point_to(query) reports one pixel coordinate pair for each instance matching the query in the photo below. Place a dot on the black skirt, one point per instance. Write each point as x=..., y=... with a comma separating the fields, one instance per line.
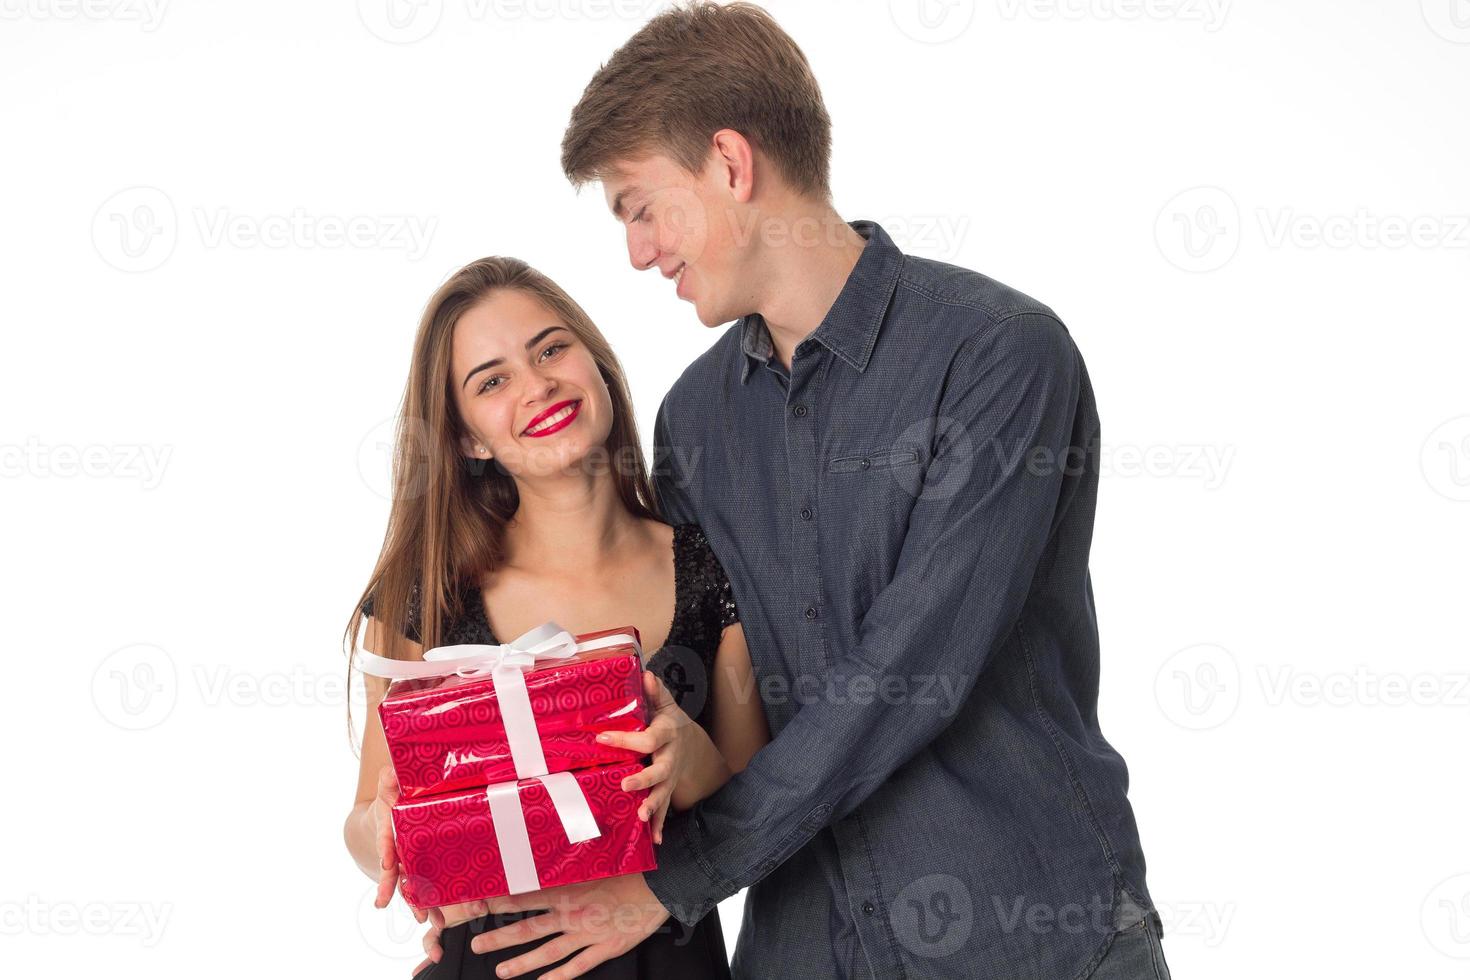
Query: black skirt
x=674, y=952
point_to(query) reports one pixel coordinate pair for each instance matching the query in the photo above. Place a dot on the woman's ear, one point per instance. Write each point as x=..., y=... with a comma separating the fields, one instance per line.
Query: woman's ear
x=473, y=448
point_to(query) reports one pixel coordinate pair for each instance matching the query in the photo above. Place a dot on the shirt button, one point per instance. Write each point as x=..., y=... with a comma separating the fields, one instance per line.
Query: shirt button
x=811, y=612
x=799, y=411
x=866, y=463
x=806, y=513
x=868, y=908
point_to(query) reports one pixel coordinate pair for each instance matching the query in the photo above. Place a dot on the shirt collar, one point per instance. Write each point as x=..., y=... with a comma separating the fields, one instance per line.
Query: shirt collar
x=850, y=328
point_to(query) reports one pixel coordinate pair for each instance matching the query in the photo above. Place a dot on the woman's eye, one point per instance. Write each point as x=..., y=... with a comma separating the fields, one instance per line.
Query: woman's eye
x=557, y=347
x=487, y=384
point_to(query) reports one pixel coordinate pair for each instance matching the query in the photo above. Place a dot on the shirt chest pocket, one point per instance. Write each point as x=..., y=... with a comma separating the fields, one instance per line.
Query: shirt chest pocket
x=882, y=459
x=867, y=498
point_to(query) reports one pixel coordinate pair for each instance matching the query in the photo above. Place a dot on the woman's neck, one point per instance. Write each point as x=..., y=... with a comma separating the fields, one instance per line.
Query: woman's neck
x=566, y=524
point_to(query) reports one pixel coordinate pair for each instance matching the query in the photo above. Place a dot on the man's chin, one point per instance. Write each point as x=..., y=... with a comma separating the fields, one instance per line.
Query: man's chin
x=714, y=318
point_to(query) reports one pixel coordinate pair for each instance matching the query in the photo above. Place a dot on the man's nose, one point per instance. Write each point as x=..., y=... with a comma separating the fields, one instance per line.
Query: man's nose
x=642, y=252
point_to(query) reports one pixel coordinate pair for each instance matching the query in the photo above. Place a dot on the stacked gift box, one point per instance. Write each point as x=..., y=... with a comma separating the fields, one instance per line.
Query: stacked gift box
x=503, y=786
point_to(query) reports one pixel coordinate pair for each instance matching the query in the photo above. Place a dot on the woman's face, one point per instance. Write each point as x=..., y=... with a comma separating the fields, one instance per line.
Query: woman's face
x=527, y=387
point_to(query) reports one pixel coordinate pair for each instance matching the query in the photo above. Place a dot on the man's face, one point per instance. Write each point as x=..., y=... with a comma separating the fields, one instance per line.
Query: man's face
x=685, y=226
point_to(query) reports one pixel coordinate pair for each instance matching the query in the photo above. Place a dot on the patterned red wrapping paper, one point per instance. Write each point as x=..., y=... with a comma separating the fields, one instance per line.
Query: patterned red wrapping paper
x=445, y=733
x=448, y=848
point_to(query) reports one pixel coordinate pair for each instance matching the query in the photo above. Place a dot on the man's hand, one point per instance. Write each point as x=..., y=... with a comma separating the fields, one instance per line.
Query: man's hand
x=441, y=919
x=603, y=919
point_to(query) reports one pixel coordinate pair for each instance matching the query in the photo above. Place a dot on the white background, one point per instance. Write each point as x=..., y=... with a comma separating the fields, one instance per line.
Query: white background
x=1214, y=196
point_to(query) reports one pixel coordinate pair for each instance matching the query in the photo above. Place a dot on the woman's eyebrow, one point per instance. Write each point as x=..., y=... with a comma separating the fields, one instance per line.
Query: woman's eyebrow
x=500, y=360
x=537, y=339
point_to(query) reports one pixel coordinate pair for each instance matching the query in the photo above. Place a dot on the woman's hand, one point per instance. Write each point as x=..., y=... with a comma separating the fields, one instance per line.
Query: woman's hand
x=676, y=744
x=381, y=812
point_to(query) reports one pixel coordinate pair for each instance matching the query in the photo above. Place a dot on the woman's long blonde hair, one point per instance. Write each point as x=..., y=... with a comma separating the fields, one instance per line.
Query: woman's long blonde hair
x=446, y=526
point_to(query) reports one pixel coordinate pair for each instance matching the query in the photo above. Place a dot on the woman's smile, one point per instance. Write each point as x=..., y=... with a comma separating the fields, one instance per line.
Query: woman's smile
x=554, y=419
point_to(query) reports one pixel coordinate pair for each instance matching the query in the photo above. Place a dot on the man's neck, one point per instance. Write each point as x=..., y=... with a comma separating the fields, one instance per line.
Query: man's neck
x=804, y=274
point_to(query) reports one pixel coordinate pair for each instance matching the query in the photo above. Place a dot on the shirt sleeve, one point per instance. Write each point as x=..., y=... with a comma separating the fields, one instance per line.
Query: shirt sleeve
x=415, y=613
x=719, y=595
x=986, y=509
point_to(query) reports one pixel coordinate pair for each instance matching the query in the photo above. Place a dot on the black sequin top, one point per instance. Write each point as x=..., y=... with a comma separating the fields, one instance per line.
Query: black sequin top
x=703, y=606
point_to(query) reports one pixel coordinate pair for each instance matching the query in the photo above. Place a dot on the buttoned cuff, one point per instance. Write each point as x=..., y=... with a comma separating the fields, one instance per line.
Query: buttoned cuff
x=685, y=882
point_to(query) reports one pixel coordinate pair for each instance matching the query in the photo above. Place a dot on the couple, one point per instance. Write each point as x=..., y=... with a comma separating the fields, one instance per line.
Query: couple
x=861, y=563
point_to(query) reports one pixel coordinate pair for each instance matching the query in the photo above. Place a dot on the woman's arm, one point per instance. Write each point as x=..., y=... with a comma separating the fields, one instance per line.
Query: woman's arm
x=364, y=829
x=738, y=719
x=690, y=764
x=737, y=727
x=368, y=829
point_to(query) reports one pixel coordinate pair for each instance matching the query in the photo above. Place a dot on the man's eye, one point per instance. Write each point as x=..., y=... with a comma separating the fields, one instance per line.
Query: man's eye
x=640, y=215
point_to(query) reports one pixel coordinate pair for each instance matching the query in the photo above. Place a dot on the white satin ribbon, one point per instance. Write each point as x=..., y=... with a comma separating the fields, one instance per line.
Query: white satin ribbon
x=514, y=840
x=506, y=664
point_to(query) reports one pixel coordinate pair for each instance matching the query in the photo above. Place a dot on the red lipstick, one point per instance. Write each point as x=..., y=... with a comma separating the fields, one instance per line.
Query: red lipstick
x=557, y=426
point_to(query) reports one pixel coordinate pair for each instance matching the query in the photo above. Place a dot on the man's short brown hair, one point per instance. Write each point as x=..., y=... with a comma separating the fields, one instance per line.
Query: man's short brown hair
x=690, y=72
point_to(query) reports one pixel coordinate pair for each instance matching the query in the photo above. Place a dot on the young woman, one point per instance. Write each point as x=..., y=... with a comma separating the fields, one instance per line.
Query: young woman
x=521, y=496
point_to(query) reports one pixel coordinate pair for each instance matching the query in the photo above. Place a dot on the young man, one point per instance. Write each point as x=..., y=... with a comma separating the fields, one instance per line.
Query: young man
x=896, y=462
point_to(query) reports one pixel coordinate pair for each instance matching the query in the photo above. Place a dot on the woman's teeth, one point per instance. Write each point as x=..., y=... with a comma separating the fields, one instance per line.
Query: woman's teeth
x=552, y=419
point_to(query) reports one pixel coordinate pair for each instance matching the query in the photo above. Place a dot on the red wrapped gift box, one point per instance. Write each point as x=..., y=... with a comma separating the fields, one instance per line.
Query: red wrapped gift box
x=445, y=733
x=450, y=851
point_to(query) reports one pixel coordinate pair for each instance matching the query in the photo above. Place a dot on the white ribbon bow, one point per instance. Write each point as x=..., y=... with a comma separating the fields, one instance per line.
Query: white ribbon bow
x=546, y=642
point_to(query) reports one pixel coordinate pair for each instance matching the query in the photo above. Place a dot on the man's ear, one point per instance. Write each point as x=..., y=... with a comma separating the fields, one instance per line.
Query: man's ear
x=734, y=154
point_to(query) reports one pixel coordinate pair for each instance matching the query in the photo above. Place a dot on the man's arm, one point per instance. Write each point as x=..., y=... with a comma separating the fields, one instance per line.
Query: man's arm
x=976, y=534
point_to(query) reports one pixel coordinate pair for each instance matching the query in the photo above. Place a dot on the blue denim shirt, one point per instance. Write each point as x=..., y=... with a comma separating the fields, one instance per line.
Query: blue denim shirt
x=905, y=519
